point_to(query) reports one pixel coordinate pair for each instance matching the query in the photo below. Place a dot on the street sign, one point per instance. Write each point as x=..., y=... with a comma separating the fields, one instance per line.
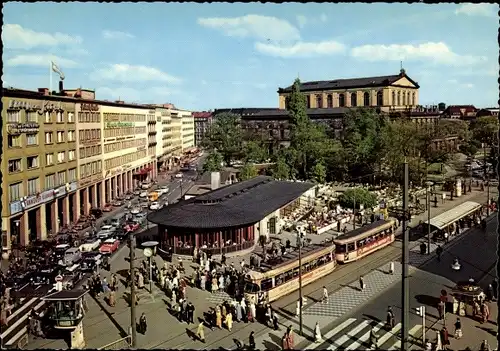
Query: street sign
x=59, y=278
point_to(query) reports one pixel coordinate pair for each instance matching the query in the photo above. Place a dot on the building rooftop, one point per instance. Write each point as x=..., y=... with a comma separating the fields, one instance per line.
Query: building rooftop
x=234, y=205
x=257, y=113
x=349, y=83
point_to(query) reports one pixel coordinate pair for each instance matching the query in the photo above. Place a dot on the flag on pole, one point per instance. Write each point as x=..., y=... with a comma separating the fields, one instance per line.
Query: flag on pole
x=57, y=70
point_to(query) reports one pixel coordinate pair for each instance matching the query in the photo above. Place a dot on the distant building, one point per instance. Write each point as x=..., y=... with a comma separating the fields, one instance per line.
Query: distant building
x=487, y=112
x=202, y=122
x=464, y=112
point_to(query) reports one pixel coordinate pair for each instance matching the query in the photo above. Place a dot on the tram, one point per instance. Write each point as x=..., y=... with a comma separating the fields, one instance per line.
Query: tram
x=277, y=281
x=363, y=241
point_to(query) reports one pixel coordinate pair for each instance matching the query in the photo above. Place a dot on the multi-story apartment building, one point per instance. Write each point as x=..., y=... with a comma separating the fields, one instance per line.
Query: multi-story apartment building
x=176, y=125
x=39, y=165
x=165, y=145
x=202, y=122
x=385, y=92
x=187, y=131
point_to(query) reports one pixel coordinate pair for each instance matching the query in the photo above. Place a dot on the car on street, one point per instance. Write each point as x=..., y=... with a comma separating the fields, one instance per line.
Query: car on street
x=129, y=197
x=72, y=256
x=90, y=261
x=45, y=274
x=105, y=231
x=117, y=203
x=115, y=222
x=178, y=175
x=109, y=246
x=137, y=191
x=59, y=252
x=162, y=190
x=135, y=210
x=140, y=217
x=72, y=276
x=143, y=194
x=132, y=226
x=107, y=208
x=146, y=186
x=90, y=245
x=155, y=206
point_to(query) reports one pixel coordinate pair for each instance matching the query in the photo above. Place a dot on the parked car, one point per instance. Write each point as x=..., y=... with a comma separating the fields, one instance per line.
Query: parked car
x=72, y=256
x=129, y=197
x=105, y=232
x=115, y=222
x=45, y=274
x=143, y=194
x=90, y=245
x=178, y=175
x=155, y=206
x=163, y=190
x=90, y=261
x=59, y=252
x=107, y=208
x=72, y=276
x=146, y=186
x=96, y=212
x=131, y=226
x=109, y=246
x=137, y=192
x=117, y=203
x=140, y=217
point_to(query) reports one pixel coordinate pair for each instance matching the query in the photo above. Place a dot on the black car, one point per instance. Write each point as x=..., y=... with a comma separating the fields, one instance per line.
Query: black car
x=45, y=275
x=96, y=212
x=90, y=261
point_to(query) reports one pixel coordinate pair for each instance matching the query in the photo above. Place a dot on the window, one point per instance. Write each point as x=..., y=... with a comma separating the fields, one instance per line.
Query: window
x=14, y=140
x=60, y=117
x=366, y=99
x=50, y=181
x=60, y=137
x=82, y=171
x=31, y=116
x=48, y=117
x=393, y=98
x=71, y=117
x=329, y=101
x=49, y=159
x=33, y=186
x=72, y=175
x=15, y=165
x=380, y=99
x=60, y=156
x=33, y=162
x=49, y=138
x=14, y=116
x=319, y=101
x=71, y=155
x=32, y=139
x=61, y=178
x=71, y=135
x=341, y=100
x=308, y=100
x=15, y=191
x=413, y=99
x=354, y=100
x=404, y=98
x=399, y=99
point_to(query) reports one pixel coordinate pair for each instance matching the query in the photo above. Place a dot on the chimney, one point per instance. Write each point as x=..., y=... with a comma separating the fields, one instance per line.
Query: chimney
x=44, y=91
x=61, y=87
x=214, y=180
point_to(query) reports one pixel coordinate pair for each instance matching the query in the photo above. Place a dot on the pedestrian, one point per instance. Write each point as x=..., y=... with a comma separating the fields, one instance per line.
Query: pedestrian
x=297, y=308
x=218, y=317
x=239, y=315
x=200, y=333
x=317, y=333
x=325, y=295
x=143, y=325
x=275, y=321
x=485, y=313
x=251, y=341
x=361, y=283
x=290, y=338
x=112, y=298
x=439, y=252
x=229, y=321
x=191, y=310
x=390, y=318
x=445, y=337
x=391, y=267
x=495, y=287
x=284, y=342
x=441, y=307
x=458, y=329
x=484, y=346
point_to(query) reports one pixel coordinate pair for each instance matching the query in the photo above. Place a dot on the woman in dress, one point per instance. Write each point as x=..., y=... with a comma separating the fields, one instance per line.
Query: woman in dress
x=218, y=317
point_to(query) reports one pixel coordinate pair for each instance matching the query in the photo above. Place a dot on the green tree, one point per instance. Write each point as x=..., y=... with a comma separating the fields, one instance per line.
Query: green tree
x=213, y=162
x=254, y=151
x=280, y=170
x=356, y=196
x=469, y=148
x=225, y=136
x=319, y=173
x=485, y=130
x=248, y=171
x=297, y=105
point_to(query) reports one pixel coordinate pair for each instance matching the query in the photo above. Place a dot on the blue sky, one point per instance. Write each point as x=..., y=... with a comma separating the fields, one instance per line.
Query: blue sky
x=206, y=56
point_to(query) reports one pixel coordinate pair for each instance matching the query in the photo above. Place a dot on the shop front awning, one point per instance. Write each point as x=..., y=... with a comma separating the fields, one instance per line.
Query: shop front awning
x=451, y=216
x=143, y=171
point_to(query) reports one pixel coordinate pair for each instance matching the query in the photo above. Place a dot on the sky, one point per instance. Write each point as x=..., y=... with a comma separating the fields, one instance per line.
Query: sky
x=220, y=55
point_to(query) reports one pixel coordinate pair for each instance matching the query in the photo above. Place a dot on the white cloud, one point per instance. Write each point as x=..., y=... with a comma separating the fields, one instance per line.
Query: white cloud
x=129, y=73
x=39, y=60
x=113, y=34
x=257, y=26
x=301, y=49
x=16, y=37
x=150, y=95
x=488, y=10
x=301, y=20
x=323, y=18
x=436, y=52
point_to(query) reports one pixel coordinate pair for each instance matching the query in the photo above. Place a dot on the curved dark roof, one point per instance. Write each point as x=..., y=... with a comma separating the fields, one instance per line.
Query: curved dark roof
x=234, y=205
x=349, y=83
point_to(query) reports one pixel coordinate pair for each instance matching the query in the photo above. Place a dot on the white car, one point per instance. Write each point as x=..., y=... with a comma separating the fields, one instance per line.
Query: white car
x=90, y=245
x=106, y=231
x=135, y=210
x=163, y=190
x=143, y=194
x=155, y=206
x=178, y=175
x=146, y=186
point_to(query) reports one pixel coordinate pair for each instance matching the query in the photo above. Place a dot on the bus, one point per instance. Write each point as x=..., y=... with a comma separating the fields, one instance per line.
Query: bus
x=273, y=282
x=365, y=240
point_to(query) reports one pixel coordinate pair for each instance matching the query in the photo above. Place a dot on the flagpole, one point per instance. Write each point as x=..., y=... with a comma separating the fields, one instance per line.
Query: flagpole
x=50, y=75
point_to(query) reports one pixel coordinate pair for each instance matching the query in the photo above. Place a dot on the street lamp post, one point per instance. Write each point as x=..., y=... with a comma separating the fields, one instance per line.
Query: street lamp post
x=428, y=190
x=133, y=332
x=299, y=241
x=354, y=215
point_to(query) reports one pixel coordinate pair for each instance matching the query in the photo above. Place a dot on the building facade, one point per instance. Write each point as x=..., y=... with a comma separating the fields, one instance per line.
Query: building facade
x=187, y=131
x=202, y=122
x=39, y=165
x=384, y=92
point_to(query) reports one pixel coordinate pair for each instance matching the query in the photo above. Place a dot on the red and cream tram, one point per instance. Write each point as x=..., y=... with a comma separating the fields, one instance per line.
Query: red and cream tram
x=365, y=240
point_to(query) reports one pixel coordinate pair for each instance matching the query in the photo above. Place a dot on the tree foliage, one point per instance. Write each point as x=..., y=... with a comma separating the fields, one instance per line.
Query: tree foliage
x=254, y=151
x=354, y=197
x=319, y=173
x=225, y=136
x=281, y=170
x=248, y=171
x=485, y=130
x=213, y=162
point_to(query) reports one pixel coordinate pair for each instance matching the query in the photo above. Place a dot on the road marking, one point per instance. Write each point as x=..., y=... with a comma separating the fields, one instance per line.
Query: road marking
x=366, y=337
x=342, y=340
x=414, y=330
x=333, y=332
x=389, y=334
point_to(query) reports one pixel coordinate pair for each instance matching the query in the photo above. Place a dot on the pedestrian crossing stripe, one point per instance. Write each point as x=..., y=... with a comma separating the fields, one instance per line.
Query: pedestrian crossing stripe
x=394, y=331
x=333, y=332
x=365, y=338
x=350, y=335
x=412, y=332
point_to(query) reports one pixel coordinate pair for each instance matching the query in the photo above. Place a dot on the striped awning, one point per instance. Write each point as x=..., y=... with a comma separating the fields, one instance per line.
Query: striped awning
x=444, y=219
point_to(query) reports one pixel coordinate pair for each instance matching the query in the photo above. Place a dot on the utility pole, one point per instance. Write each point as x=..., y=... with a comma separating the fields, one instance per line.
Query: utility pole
x=405, y=297
x=299, y=233
x=428, y=185
x=132, y=292
x=487, y=182
x=354, y=214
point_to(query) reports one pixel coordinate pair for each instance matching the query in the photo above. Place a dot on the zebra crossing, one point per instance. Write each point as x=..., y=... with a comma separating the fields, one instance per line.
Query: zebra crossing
x=354, y=334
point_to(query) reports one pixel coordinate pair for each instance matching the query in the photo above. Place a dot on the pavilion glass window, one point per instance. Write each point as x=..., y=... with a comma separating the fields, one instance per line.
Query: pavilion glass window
x=354, y=100
x=341, y=100
x=404, y=98
x=366, y=99
x=319, y=101
x=399, y=99
x=393, y=98
x=329, y=101
x=308, y=100
x=380, y=99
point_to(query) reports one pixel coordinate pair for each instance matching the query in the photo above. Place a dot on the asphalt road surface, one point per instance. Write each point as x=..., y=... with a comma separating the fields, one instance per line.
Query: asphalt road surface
x=476, y=252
